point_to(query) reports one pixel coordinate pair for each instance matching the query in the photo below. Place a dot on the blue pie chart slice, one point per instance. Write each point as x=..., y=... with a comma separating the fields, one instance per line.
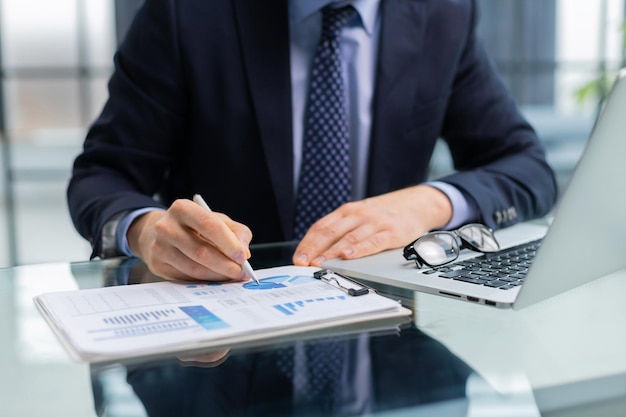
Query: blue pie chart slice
x=263, y=285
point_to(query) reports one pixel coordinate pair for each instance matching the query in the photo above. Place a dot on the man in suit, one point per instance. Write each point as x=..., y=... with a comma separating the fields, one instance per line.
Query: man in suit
x=209, y=98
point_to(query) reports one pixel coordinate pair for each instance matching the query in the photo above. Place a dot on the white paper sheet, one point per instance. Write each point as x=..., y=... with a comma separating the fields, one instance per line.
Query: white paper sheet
x=104, y=323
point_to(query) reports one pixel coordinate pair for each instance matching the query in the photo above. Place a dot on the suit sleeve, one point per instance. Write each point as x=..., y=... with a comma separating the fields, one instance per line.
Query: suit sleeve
x=128, y=149
x=500, y=163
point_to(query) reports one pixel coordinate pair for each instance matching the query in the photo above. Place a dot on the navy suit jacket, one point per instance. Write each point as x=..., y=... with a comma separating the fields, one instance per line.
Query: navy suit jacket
x=200, y=102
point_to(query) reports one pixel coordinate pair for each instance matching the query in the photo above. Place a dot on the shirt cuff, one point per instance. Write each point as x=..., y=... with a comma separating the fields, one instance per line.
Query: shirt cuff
x=108, y=246
x=124, y=224
x=462, y=211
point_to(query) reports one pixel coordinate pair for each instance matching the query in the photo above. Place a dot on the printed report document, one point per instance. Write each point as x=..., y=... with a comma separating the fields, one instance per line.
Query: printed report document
x=120, y=322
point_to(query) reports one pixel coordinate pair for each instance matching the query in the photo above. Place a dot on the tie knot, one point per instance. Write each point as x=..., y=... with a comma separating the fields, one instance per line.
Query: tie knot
x=334, y=19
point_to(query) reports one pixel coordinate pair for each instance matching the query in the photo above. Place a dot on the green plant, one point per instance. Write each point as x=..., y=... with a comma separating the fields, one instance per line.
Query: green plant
x=597, y=89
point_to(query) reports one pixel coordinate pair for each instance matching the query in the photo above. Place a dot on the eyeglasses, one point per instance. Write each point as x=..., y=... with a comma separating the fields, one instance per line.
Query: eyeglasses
x=442, y=247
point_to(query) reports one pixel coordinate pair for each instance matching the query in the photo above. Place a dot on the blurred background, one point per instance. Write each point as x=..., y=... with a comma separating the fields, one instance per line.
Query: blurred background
x=557, y=56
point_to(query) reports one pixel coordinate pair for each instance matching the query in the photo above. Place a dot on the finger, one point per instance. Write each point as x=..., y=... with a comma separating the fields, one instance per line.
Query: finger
x=374, y=243
x=205, y=360
x=243, y=233
x=174, y=264
x=213, y=228
x=323, y=235
x=348, y=244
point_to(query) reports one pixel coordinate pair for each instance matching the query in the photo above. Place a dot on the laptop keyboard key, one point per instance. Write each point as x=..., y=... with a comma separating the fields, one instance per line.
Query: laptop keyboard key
x=495, y=284
x=453, y=274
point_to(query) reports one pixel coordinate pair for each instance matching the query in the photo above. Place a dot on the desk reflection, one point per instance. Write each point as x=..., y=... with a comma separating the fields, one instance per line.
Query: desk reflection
x=374, y=373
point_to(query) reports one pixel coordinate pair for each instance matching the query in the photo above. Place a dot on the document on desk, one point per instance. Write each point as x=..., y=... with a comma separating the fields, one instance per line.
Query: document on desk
x=113, y=323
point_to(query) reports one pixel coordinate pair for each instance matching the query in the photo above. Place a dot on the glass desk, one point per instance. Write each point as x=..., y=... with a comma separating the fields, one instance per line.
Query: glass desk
x=563, y=357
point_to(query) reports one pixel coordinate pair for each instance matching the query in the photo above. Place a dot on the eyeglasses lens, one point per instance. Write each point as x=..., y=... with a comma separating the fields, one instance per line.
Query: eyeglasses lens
x=437, y=248
x=479, y=237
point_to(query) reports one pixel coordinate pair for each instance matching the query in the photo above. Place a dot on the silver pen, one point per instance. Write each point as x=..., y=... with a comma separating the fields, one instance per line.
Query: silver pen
x=246, y=265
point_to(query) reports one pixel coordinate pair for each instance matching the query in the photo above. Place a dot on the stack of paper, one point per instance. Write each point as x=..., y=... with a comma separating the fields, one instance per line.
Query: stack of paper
x=112, y=323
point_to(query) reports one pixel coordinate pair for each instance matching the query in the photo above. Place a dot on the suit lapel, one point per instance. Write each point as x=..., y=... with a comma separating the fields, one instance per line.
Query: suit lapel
x=264, y=29
x=400, y=44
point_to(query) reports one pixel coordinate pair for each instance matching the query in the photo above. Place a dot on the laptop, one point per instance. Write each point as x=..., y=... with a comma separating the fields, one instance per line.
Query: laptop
x=585, y=240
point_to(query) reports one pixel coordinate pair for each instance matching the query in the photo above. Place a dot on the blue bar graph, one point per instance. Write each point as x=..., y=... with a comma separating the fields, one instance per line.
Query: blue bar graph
x=290, y=308
x=204, y=317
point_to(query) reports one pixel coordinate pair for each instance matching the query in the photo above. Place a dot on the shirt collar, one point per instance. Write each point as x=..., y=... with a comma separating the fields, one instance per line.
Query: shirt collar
x=367, y=9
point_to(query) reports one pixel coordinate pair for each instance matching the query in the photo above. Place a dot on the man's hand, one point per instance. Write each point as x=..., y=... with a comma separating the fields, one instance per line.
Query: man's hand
x=188, y=241
x=205, y=360
x=375, y=224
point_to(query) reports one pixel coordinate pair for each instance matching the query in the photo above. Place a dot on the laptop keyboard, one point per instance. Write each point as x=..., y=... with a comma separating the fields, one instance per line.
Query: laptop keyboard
x=505, y=269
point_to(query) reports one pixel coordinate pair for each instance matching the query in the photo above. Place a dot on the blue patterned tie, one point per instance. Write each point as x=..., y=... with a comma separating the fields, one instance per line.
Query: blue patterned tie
x=316, y=376
x=325, y=176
